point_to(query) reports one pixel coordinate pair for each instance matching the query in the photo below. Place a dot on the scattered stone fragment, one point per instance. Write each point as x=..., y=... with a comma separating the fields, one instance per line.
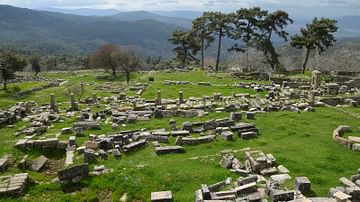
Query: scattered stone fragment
x=347, y=182
x=89, y=156
x=341, y=196
x=69, y=160
x=4, y=163
x=13, y=185
x=280, y=177
x=23, y=163
x=87, y=125
x=79, y=131
x=66, y=130
x=282, y=169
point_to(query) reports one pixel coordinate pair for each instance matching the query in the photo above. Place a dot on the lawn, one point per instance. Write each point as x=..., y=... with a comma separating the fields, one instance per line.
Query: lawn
x=301, y=142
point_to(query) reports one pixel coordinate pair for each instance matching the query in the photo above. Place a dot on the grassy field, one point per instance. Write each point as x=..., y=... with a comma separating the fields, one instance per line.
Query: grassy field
x=302, y=142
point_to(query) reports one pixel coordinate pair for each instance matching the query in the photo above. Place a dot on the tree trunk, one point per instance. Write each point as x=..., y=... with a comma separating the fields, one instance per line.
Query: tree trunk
x=219, y=51
x=202, y=51
x=3, y=73
x=114, y=72
x=5, y=85
x=306, y=59
x=247, y=57
x=185, y=58
x=127, y=73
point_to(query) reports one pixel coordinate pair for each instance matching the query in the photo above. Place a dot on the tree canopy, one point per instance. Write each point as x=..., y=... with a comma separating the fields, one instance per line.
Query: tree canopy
x=200, y=27
x=10, y=62
x=248, y=27
x=219, y=27
x=35, y=64
x=186, y=46
x=319, y=34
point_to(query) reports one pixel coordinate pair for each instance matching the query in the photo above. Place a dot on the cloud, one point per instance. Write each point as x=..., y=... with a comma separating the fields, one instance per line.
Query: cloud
x=54, y=3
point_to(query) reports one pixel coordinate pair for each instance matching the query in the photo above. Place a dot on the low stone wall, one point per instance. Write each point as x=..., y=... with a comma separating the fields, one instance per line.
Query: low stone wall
x=338, y=100
x=25, y=92
x=46, y=143
x=337, y=137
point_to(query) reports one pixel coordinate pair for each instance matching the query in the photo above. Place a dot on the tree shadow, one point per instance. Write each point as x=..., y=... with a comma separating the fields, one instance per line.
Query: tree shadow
x=48, y=152
x=111, y=78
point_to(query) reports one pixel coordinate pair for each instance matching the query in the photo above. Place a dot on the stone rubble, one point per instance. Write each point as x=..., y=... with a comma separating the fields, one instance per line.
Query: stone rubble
x=13, y=185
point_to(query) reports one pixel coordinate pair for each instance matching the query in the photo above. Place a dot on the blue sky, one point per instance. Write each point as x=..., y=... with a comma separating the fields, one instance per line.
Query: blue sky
x=303, y=8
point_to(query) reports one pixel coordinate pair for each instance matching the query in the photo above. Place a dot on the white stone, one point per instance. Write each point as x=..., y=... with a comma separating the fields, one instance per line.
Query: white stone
x=281, y=177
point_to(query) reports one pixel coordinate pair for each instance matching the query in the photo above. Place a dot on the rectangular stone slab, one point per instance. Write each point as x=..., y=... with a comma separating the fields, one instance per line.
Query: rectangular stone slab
x=354, y=139
x=180, y=133
x=281, y=177
x=134, y=145
x=245, y=189
x=87, y=125
x=4, y=162
x=347, y=182
x=76, y=171
x=169, y=149
x=341, y=196
x=39, y=163
x=163, y=196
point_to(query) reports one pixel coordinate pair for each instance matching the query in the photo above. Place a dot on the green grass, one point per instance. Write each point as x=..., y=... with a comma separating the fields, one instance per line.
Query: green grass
x=8, y=97
x=301, y=142
x=221, y=84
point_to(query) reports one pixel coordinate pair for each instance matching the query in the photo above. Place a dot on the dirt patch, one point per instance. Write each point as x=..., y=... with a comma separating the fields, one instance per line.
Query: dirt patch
x=105, y=196
x=53, y=166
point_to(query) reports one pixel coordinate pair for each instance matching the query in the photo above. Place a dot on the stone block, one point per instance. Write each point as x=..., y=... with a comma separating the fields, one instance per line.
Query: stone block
x=39, y=163
x=248, y=135
x=73, y=172
x=303, y=184
x=246, y=189
x=227, y=135
x=281, y=195
x=162, y=196
x=4, y=162
x=169, y=149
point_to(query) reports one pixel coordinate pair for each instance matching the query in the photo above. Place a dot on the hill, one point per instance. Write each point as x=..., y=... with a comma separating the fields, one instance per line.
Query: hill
x=144, y=15
x=51, y=33
x=82, y=11
x=349, y=26
x=55, y=33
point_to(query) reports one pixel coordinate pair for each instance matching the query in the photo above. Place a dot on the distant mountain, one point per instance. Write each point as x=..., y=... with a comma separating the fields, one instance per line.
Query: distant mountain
x=82, y=11
x=349, y=26
x=145, y=15
x=55, y=33
x=106, y=12
x=180, y=14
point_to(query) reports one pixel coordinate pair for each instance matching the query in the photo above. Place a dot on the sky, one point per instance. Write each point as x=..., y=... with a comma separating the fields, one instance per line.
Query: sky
x=299, y=8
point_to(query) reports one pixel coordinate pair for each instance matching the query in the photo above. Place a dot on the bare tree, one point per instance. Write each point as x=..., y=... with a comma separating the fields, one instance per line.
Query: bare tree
x=115, y=57
x=129, y=61
x=105, y=58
